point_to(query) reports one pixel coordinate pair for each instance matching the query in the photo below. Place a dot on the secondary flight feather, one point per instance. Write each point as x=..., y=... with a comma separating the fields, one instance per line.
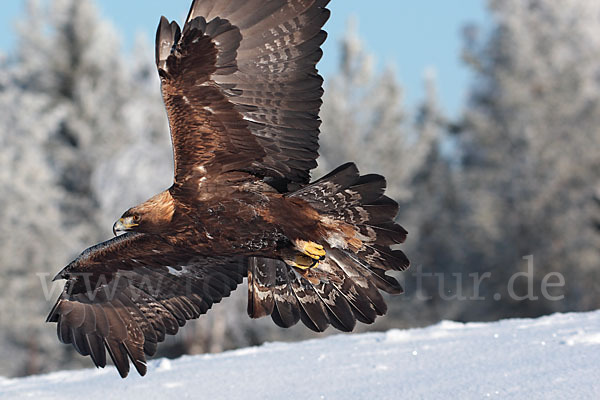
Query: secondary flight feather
x=243, y=95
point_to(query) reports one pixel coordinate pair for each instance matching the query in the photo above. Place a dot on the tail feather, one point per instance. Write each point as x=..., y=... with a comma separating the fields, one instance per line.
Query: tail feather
x=270, y=292
x=340, y=314
x=313, y=312
x=345, y=286
x=286, y=312
x=261, y=282
x=366, y=301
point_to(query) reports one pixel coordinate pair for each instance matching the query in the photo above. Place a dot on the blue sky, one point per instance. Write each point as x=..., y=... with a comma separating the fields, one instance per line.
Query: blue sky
x=411, y=35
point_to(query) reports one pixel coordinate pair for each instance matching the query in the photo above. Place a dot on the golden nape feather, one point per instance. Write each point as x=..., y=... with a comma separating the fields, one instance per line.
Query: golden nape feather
x=243, y=95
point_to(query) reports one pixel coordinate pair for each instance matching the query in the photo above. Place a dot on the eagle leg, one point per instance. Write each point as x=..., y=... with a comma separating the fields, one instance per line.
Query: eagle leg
x=311, y=249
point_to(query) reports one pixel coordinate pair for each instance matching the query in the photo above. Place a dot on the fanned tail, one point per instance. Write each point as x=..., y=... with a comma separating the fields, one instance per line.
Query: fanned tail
x=345, y=286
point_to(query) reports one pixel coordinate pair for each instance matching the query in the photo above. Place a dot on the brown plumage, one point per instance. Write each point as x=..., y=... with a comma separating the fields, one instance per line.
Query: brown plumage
x=243, y=95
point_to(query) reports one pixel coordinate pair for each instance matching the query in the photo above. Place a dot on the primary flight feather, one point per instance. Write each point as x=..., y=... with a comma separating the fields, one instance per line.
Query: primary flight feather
x=242, y=94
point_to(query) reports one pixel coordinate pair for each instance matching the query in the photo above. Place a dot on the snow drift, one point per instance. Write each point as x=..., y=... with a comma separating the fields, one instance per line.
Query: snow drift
x=551, y=357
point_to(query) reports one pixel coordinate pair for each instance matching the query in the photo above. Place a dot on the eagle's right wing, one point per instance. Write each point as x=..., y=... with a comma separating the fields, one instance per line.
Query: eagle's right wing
x=126, y=294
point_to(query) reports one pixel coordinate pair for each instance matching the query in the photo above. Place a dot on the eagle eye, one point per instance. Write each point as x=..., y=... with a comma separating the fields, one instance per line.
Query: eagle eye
x=136, y=218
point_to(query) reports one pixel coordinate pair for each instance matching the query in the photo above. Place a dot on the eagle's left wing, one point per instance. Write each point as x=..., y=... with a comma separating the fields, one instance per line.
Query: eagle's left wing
x=241, y=88
x=126, y=294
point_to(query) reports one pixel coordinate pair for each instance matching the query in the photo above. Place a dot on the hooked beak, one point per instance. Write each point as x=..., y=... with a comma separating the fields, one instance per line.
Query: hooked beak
x=123, y=224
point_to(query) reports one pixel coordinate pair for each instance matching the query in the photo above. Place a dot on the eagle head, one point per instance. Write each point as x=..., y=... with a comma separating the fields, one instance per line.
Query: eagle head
x=152, y=216
x=129, y=221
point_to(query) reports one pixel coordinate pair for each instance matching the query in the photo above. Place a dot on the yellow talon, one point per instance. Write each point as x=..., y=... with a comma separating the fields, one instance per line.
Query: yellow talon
x=304, y=262
x=311, y=249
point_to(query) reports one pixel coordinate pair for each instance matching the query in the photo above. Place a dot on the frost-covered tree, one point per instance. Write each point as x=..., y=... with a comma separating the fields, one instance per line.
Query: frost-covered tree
x=31, y=234
x=532, y=149
x=69, y=54
x=432, y=215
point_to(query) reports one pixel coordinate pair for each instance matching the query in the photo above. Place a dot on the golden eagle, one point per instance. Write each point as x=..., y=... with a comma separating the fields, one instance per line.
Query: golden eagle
x=243, y=94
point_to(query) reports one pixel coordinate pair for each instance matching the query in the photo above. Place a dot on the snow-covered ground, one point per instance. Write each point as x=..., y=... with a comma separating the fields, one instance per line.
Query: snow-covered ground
x=555, y=357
